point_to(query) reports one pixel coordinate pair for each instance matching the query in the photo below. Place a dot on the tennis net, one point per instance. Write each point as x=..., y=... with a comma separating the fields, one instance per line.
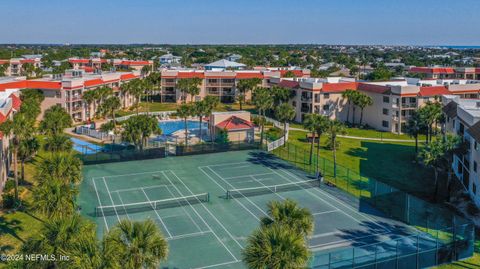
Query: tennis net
x=123, y=209
x=253, y=191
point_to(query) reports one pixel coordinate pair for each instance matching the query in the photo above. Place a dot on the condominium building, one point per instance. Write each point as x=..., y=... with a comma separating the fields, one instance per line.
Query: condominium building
x=393, y=101
x=68, y=89
x=448, y=72
x=16, y=66
x=463, y=119
x=215, y=83
x=92, y=64
x=9, y=104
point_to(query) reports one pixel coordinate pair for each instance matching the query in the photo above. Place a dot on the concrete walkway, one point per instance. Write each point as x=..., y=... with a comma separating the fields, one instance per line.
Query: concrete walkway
x=363, y=138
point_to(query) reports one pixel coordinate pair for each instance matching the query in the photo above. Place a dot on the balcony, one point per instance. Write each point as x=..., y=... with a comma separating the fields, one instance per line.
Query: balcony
x=212, y=92
x=409, y=105
x=306, y=99
x=305, y=109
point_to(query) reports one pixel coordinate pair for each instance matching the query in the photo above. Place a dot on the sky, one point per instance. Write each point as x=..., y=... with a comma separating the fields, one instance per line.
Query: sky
x=353, y=22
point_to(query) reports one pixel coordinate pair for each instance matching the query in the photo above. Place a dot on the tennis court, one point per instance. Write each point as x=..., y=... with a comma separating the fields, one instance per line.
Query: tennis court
x=207, y=205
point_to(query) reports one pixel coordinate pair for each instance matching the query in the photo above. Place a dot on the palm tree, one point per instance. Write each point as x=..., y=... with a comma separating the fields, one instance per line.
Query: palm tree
x=137, y=244
x=244, y=86
x=363, y=101
x=335, y=128
x=89, y=99
x=18, y=129
x=348, y=94
x=263, y=100
x=438, y=155
x=189, y=86
x=110, y=106
x=136, y=89
x=276, y=247
x=211, y=103
x=131, y=132
x=320, y=128
x=26, y=150
x=414, y=127
x=58, y=142
x=355, y=100
x=280, y=94
x=285, y=113
x=63, y=166
x=184, y=111
x=59, y=235
x=54, y=198
x=55, y=120
x=310, y=123
x=148, y=126
x=289, y=214
x=201, y=110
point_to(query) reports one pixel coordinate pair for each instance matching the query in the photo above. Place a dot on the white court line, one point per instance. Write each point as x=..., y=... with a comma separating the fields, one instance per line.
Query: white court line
x=263, y=174
x=156, y=213
x=238, y=167
x=325, y=212
x=218, y=238
x=336, y=200
x=184, y=210
x=132, y=174
x=111, y=199
x=223, y=164
x=219, y=222
x=276, y=193
x=181, y=236
x=137, y=189
x=124, y=208
x=255, y=205
x=218, y=264
x=238, y=202
x=99, y=203
x=342, y=203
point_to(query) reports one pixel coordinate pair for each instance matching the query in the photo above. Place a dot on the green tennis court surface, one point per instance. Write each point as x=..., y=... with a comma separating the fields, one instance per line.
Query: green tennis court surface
x=207, y=205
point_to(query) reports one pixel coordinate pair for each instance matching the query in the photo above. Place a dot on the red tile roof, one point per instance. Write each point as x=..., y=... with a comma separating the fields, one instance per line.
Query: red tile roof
x=373, y=88
x=235, y=123
x=339, y=87
x=433, y=91
x=16, y=101
x=249, y=75
x=36, y=84
x=288, y=84
x=93, y=82
x=433, y=70
x=4, y=61
x=297, y=73
x=190, y=75
x=27, y=61
x=82, y=61
x=135, y=63
x=128, y=76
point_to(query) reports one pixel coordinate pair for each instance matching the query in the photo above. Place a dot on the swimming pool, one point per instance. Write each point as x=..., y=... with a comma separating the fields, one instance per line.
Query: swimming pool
x=169, y=127
x=85, y=147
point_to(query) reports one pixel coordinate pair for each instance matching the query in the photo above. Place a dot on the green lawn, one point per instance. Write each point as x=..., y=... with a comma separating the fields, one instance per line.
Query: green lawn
x=392, y=163
x=156, y=106
x=371, y=133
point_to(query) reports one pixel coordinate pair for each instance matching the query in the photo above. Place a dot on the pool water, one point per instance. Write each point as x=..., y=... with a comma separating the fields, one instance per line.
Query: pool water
x=169, y=127
x=85, y=147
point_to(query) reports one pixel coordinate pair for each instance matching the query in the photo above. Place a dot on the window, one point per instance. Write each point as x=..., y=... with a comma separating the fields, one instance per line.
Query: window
x=385, y=111
x=475, y=145
x=385, y=124
x=326, y=107
x=386, y=99
x=475, y=166
x=326, y=95
x=474, y=189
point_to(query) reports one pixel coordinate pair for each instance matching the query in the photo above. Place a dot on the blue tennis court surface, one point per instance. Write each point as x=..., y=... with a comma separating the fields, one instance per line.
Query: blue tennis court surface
x=211, y=231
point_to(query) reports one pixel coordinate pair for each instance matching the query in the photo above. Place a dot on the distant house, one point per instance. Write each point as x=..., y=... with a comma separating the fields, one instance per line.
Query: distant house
x=223, y=65
x=169, y=59
x=234, y=57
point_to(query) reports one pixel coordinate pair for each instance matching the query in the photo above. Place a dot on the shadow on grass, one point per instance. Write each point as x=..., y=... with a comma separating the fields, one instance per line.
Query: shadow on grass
x=10, y=227
x=394, y=164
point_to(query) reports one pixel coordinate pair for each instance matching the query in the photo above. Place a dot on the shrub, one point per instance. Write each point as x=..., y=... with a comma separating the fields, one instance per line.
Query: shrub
x=9, y=185
x=8, y=200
